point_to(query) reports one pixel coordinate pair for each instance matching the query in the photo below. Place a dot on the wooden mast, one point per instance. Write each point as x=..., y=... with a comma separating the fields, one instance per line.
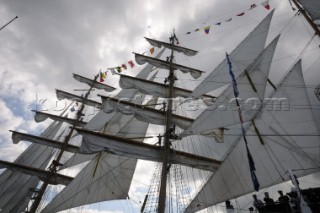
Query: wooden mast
x=167, y=142
x=307, y=17
x=55, y=163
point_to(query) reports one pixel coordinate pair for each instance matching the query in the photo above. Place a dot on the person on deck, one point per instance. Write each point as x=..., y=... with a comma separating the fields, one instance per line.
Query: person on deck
x=284, y=200
x=267, y=199
x=229, y=207
x=258, y=204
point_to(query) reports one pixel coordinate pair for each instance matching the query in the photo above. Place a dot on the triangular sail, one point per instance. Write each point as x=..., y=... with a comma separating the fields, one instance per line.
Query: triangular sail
x=291, y=141
x=251, y=86
x=243, y=54
x=104, y=178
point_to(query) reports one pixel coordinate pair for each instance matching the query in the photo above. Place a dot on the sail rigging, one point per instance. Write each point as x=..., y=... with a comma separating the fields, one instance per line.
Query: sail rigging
x=288, y=136
x=282, y=134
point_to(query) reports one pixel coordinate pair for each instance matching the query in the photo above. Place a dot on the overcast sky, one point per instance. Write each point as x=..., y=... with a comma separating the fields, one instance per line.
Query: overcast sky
x=53, y=39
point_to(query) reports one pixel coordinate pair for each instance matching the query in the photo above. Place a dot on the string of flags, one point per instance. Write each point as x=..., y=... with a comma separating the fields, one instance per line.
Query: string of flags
x=102, y=75
x=206, y=29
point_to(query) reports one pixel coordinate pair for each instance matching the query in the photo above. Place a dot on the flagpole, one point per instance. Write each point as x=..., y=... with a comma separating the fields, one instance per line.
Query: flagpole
x=8, y=22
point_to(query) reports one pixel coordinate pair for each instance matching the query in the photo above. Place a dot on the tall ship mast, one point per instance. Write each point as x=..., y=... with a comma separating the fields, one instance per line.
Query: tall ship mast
x=210, y=147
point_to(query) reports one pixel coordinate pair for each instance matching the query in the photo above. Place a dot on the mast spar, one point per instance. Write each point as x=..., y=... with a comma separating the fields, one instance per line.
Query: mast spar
x=166, y=145
x=170, y=124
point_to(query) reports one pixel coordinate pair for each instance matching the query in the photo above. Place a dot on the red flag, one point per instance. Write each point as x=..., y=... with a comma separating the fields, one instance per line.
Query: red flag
x=241, y=14
x=131, y=63
x=266, y=4
x=124, y=66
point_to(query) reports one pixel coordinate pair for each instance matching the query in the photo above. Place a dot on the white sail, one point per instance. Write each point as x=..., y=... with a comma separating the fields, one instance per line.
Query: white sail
x=41, y=116
x=93, y=83
x=251, y=87
x=154, y=88
x=243, y=54
x=66, y=95
x=291, y=141
x=18, y=136
x=145, y=114
x=179, y=49
x=141, y=59
x=95, y=142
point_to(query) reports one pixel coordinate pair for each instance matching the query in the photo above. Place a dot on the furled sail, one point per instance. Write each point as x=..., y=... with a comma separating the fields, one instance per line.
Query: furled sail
x=141, y=59
x=291, y=141
x=93, y=83
x=243, y=54
x=129, y=148
x=154, y=88
x=41, y=116
x=18, y=136
x=251, y=87
x=186, y=51
x=65, y=95
x=145, y=114
x=312, y=7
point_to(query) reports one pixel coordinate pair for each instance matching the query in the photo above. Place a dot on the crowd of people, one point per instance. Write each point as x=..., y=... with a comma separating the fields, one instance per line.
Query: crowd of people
x=288, y=202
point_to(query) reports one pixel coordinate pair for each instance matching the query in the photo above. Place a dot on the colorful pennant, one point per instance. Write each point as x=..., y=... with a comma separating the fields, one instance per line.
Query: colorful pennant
x=207, y=29
x=131, y=63
x=252, y=6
